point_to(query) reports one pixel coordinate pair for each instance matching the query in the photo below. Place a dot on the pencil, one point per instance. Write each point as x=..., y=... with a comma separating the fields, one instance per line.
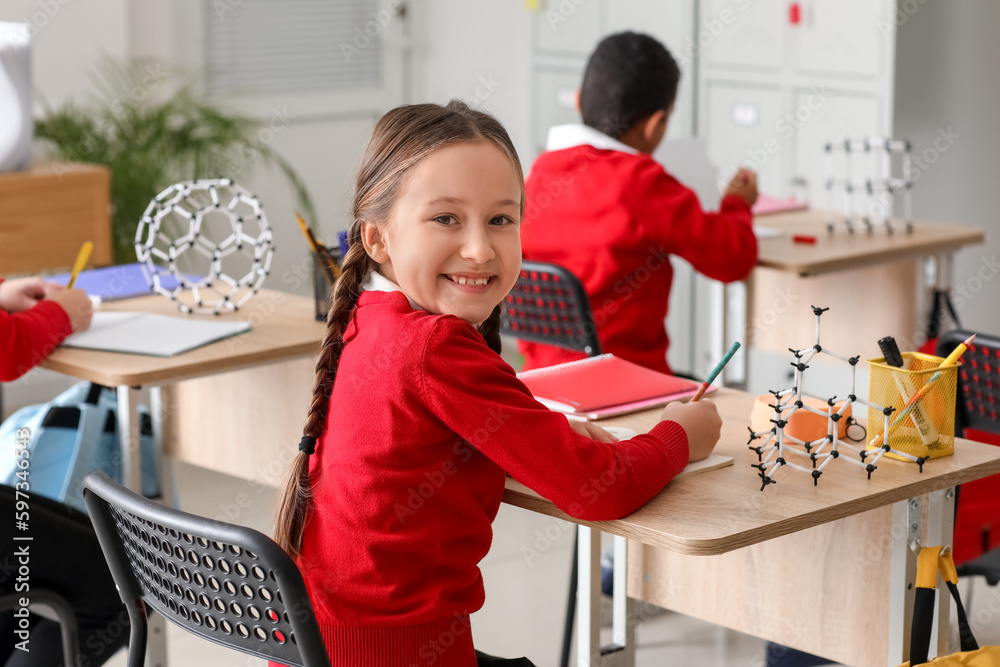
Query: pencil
x=319, y=251
x=715, y=372
x=81, y=261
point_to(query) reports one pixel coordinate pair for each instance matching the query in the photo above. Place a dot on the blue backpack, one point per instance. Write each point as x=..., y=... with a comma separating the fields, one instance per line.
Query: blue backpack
x=73, y=435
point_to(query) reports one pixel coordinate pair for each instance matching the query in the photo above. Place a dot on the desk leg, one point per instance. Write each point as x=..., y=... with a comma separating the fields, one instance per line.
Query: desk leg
x=589, y=653
x=128, y=434
x=588, y=598
x=906, y=536
x=941, y=530
x=164, y=463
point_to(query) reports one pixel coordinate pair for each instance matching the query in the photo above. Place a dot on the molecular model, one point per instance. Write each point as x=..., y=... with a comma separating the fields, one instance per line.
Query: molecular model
x=869, y=200
x=773, y=453
x=205, y=244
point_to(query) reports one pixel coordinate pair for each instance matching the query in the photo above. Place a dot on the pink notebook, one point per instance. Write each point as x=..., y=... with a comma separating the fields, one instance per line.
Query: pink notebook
x=767, y=204
x=604, y=386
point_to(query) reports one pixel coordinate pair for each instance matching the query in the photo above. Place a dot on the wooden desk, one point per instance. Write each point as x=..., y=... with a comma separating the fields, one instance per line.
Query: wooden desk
x=873, y=285
x=840, y=250
x=821, y=569
x=283, y=329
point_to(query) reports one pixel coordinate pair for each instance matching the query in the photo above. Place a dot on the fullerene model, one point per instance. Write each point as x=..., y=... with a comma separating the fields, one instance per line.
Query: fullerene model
x=212, y=238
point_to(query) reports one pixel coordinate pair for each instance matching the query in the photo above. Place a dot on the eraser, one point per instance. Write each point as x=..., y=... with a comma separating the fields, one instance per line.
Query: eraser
x=801, y=238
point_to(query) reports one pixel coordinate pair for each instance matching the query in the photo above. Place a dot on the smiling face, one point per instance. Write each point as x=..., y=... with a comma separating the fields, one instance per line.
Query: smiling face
x=452, y=242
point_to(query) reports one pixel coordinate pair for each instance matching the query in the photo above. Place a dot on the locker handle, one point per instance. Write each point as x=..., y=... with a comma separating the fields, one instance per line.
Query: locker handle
x=795, y=13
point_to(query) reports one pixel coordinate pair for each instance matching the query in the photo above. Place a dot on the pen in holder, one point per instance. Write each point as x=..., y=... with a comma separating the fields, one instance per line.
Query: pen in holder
x=923, y=395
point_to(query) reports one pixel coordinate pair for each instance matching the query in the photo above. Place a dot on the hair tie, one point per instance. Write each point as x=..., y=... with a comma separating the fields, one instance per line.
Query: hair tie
x=307, y=445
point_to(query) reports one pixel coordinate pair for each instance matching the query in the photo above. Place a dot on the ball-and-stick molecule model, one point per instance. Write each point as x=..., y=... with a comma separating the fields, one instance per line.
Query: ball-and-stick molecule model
x=869, y=198
x=205, y=244
x=773, y=452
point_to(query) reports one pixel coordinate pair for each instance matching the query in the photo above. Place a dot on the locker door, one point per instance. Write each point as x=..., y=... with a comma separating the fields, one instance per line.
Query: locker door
x=816, y=122
x=742, y=130
x=554, y=101
x=568, y=27
x=741, y=33
x=669, y=21
x=842, y=37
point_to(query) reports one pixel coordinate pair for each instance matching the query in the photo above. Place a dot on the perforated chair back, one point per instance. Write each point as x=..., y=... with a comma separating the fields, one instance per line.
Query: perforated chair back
x=549, y=305
x=978, y=404
x=228, y=584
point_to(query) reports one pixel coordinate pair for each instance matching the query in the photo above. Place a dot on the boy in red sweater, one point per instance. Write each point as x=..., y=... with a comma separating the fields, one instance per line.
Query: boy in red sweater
x=35, y=316
x=599, y=205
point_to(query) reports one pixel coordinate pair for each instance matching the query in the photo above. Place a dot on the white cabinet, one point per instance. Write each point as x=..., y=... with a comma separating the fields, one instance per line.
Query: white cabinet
x=783, y=78
x=841, y=37
x=742, y=123
x=742, y=33
x=566, y=33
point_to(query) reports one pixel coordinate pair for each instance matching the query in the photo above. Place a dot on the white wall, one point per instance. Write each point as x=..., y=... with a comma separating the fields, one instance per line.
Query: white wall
x=479, y=51
x=947, y=56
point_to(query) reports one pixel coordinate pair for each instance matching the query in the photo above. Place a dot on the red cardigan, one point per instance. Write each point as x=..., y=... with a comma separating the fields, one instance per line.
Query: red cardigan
x=26, y=338
x=424, y=419
x=613, y=218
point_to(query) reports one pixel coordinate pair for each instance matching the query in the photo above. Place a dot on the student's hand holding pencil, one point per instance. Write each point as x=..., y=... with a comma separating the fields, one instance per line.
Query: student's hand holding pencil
x=744, y=184
x=77, y=305
x=702, y=423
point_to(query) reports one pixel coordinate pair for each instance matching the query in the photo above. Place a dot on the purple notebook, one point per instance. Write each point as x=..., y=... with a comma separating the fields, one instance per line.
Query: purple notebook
x=114, y=282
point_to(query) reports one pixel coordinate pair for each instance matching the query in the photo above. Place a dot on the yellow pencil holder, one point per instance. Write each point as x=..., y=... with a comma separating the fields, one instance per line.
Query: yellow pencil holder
x=924, y=426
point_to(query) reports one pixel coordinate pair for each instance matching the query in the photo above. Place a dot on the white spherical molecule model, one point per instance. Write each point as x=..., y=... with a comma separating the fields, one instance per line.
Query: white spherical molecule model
x=205, y=244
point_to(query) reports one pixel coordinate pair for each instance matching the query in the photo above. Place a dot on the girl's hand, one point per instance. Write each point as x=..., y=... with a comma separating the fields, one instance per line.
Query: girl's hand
x=77, y=305
x=744, y=184
x=592, y=431
x=23, y=293
x=701, y=422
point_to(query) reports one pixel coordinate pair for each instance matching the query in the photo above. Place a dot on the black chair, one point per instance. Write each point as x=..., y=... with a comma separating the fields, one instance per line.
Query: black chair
x=977, y=406
x=43, y=599
x=228, y=584
x=549, y=305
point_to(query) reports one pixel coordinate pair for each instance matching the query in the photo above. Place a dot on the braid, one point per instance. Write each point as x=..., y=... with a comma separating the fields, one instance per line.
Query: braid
x=296, y=497
x=490, y=329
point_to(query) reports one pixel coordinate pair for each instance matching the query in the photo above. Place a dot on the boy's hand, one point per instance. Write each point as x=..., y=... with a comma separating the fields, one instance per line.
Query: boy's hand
x=23, y=293
x=77, y=305
x=701, y=422
x=744, y=184
x=592, y=431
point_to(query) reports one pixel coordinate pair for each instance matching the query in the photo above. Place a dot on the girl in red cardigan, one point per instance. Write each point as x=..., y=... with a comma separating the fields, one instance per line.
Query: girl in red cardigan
x=415, y=417
x=35, y=316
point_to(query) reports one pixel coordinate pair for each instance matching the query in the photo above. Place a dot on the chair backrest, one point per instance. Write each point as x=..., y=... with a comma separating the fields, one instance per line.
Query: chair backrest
x=549, y=305
x=978, y=404
x=228, y=584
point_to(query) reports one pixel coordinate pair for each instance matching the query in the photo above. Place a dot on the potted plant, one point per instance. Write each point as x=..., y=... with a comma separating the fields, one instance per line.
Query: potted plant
x=149, y=141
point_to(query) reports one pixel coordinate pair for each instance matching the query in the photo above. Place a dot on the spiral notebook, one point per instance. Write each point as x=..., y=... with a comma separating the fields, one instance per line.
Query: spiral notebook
x=604, y=386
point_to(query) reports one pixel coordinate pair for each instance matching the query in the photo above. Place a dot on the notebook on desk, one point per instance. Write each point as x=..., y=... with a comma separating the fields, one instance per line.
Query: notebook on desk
x=604, y=386
x=151, y=335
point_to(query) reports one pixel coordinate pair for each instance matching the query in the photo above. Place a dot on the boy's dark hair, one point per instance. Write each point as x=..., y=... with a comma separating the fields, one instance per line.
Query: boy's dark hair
x=628, y=77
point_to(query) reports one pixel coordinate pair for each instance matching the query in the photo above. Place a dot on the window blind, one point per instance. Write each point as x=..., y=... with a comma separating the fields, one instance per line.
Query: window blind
x=260, y=47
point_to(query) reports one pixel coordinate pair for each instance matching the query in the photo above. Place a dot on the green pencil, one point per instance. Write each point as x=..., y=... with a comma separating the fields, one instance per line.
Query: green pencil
x=715, y=372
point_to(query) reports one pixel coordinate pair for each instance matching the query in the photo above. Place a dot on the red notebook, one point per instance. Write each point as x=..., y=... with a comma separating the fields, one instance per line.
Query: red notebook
x=604, y=386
